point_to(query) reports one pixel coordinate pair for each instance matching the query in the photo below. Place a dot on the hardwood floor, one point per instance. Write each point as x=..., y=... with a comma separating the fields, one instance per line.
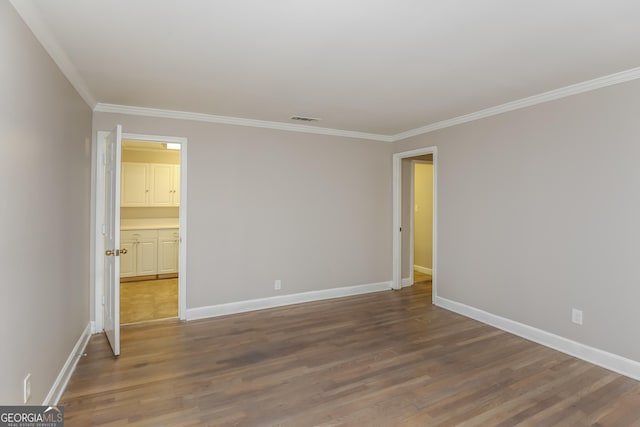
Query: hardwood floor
x=148, y=300
x=382, y=359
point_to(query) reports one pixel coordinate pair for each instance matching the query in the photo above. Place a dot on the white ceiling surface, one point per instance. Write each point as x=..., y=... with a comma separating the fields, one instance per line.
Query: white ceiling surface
x=381, y=67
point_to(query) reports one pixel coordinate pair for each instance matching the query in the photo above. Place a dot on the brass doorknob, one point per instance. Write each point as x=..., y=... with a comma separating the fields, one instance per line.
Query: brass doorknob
x=123, y=251
x=108, y=252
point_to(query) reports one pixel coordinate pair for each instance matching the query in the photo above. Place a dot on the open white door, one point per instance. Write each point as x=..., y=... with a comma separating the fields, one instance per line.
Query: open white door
x=111, y=231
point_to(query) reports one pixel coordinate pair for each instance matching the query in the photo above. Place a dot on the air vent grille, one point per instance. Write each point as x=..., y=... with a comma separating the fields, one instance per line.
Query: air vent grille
x=305, y=119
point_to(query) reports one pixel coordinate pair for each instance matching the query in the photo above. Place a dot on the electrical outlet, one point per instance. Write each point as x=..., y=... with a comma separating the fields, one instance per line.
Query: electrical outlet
x=278, y=285
x=26, y=389
x=576, y=316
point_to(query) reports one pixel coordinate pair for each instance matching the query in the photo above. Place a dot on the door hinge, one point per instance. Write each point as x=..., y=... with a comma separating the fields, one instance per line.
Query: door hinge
x=401, y=229
x=104, y=229
x=103, y=300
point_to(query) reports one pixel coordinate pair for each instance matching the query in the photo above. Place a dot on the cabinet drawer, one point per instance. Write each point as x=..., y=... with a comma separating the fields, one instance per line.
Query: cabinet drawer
x=169, y=234
x=138, y=234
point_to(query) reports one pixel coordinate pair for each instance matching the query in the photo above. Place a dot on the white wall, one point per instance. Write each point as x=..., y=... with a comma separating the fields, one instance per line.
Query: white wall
x=45, y=129
x=311, y=210
x=539, y=212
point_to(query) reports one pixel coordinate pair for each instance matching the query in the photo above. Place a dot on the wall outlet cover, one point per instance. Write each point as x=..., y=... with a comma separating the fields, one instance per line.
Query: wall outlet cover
x=576, y=316
x=27, y=388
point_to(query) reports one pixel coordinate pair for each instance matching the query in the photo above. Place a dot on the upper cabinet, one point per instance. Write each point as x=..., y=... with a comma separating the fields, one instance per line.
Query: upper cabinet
x=150, y=184
x=134, y=184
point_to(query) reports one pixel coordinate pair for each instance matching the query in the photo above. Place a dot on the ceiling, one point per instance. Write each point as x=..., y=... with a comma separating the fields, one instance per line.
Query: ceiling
x=380, y=67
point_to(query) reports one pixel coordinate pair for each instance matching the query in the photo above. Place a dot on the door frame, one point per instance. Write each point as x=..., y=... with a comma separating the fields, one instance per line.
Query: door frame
x=98, y=219
x=396, y=280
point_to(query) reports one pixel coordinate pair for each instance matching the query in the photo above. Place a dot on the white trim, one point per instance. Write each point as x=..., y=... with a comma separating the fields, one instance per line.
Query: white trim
x=407, y=281
x=32, y=17
x=613, y=362
x=182, y=217
x=421, y=269
x=552, y=95
x=153, y=138
x=282, y=300
x=237, y=121
x=60, y=384
x=412, y=225
x=396, y=280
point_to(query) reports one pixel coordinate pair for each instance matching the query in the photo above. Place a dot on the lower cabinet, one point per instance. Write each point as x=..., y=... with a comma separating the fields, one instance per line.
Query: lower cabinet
x=128, y=260
x=149, y=252
x=168, y=251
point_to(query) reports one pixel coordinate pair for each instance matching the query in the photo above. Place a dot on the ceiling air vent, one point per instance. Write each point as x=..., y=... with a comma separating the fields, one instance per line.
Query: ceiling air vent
x=305, y=119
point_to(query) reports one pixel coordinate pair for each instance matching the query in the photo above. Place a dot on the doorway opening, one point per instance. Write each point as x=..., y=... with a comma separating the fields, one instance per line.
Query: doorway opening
x=415, y=219
x=417, y=258
x=149, y=231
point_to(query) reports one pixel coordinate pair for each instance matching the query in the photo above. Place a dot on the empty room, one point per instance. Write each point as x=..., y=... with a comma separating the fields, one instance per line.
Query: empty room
x=321, y=213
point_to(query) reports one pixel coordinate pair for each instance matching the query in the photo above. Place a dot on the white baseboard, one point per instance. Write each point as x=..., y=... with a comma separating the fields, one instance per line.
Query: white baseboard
x=60, y=384
x=281, y=300
x=613, y=362
x=421, y=269
x=407, y=282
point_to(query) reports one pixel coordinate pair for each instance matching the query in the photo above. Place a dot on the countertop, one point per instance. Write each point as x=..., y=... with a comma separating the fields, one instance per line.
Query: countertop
x=149, y=224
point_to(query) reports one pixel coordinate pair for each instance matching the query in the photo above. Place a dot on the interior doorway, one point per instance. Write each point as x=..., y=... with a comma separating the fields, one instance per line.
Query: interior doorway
x=411, y=259
x=149, y=231
x=171, y=243
x=419, y=264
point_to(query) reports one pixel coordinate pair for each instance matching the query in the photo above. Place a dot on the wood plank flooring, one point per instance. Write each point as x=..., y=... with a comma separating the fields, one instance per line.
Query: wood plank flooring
x=148, y=300
x=382, y=359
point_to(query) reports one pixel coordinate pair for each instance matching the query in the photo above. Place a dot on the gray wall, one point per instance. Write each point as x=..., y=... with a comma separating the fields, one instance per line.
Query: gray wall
x=539, y=212
x=311, y=210
x=45, y=129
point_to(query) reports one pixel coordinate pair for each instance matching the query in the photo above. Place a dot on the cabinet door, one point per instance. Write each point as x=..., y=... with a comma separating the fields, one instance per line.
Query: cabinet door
x=134, y=184
x=176, y=185
x=161, y=185
x=168, y=250
x=128, y=260
x=147, y=257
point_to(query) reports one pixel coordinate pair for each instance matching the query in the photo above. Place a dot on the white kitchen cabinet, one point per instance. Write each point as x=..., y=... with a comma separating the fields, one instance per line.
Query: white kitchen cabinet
x=134, y=184
x=141, y=258
x=150, y=252
x=168, y=250
x=147, y=252
x=150, y=184
x=128, y=260
x=165, y=185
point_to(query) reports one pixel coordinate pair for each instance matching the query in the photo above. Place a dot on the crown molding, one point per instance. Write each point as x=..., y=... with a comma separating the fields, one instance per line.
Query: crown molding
x=574, y=89
x=31, y=16
x=33, y=19
x=237, y=121
x=552, y=95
